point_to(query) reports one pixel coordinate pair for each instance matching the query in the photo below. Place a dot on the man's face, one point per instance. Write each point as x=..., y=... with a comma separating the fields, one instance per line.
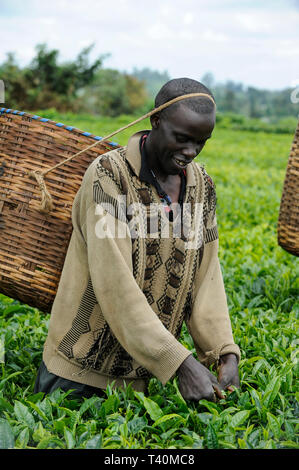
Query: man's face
x=179, y=137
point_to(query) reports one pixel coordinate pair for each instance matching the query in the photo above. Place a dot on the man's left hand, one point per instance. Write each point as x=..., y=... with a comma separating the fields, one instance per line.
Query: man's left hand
x=228, y=373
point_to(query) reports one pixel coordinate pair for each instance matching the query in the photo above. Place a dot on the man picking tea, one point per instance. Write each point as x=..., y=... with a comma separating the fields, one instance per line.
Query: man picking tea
x=143, y=259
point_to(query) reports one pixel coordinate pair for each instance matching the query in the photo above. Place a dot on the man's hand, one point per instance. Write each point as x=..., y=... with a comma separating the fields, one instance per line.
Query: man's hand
x=228, y=373
x=197, y=382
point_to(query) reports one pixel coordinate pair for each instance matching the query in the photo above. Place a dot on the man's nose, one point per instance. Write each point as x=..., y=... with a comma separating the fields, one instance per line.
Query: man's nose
x=190, y=151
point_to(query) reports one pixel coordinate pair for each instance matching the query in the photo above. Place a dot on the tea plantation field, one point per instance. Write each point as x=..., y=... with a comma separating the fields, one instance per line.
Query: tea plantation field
x=262, y=286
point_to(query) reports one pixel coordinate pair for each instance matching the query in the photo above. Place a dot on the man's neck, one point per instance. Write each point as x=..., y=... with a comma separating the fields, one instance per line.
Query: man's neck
x=153, y=162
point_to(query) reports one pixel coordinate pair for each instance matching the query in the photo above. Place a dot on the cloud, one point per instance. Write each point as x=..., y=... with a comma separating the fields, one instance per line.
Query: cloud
x=214, y=36
x=253, y=23
x=160, y=31
x=249, y=41
x=188, y=18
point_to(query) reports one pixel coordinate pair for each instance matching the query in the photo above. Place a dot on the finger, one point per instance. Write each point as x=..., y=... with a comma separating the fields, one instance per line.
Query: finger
x=218, y=392
x=217, y=387
x=233, y=386
x=215, y=381
x=230, y=384
x=225, y=382
x=236, y=382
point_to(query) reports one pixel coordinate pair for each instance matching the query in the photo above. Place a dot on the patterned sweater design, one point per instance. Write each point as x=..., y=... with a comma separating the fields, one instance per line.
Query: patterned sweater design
x=132, y=294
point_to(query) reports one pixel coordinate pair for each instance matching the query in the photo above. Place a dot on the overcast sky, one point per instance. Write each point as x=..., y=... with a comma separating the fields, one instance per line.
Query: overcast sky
x=249, y=41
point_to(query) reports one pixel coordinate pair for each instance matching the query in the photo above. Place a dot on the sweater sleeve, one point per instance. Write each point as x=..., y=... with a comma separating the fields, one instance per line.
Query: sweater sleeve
x=124, y=306
x=209, y=323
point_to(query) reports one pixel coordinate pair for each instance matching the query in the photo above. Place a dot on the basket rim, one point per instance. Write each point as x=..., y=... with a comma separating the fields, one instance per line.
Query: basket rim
x=58, y=124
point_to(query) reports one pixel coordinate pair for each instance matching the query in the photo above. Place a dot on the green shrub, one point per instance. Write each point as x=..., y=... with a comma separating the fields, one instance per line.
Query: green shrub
x=262, y=286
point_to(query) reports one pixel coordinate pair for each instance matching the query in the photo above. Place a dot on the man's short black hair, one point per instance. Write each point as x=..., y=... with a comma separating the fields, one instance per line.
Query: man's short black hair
x=184, y=86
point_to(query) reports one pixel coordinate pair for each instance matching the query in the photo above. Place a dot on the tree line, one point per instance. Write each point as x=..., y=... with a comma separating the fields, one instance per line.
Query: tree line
x=84, y=86
x=252, y=102
x=78, y=85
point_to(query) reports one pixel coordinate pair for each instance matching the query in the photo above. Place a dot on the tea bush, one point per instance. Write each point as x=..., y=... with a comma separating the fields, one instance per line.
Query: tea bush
x=262, y=286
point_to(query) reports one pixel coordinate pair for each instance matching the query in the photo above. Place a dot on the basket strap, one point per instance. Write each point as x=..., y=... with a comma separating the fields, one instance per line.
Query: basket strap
x=46, y=202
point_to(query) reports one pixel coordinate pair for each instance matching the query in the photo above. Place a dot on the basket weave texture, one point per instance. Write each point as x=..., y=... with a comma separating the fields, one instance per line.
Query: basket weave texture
x=33, y=245
x=288, y=221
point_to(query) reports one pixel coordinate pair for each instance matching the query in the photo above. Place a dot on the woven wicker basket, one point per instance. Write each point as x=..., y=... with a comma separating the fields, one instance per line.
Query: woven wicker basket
x=33, y=246
x=35, y=219
x=288, y=221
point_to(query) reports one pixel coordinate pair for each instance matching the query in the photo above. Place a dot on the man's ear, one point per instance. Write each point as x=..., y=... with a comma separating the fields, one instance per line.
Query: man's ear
x=155, y=120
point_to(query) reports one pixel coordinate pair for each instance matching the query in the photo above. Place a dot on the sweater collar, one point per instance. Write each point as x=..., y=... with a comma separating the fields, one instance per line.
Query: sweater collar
x=133, y=156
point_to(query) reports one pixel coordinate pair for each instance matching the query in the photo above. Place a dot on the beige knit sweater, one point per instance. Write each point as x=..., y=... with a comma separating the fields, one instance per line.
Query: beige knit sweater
x=131, y=278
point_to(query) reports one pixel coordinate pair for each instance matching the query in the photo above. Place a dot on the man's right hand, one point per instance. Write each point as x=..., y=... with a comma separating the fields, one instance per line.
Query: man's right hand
x=197, y=382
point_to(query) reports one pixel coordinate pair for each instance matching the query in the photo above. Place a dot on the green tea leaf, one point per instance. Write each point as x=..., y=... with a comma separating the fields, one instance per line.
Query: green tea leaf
x=253, y=438
x=14, y=374
x=40, y=433
x=205, y=418
x=5, y=405
x=212, y=407
x=256, y=399
x=50, y=442
x=250, y=360
x=88, y=403
x=65, y=411
x=165, y=418
x=7, y=440
x=238, y=419
x=74, y=420
x=60, y=424
x=256, y=301
x=260, y=363
x=37, y=409
x=241, y=443
x=22, y=439
x=139, y=396
x=226, y=444
x=290, y=431
x=228, y=411
x=179, y=398
x=247, y=432
x=111, y=404
x=23, y=414
x=211, y=437
x=289, y=444
x=95, y=442
x=13, y=309
x=69, y=439
x=46, y=407
x=271, y=391
x=167, y=434
x=136, y=425
x=274, y=425
x=152, y=408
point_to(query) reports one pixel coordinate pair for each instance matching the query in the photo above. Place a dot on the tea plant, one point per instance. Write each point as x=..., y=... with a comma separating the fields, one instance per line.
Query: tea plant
x=262, y=286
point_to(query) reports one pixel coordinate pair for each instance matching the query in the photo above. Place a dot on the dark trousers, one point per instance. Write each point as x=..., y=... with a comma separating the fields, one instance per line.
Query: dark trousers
x=47, y=382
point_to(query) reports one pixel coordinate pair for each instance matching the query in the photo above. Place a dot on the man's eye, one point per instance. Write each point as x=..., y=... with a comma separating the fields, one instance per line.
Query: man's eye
x=181, y=139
